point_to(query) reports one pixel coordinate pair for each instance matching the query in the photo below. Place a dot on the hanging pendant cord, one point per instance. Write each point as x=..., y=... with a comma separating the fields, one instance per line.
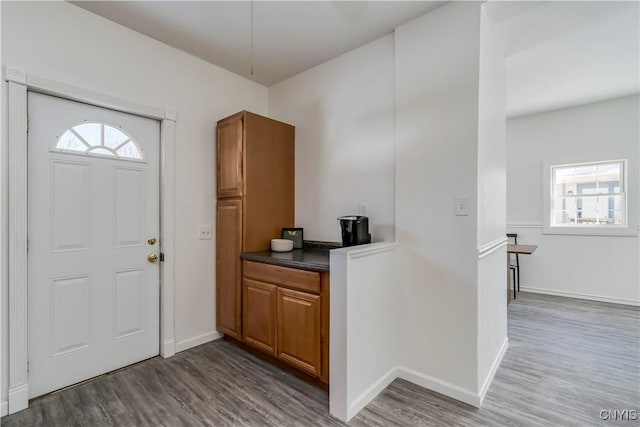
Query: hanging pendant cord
x=252, y=37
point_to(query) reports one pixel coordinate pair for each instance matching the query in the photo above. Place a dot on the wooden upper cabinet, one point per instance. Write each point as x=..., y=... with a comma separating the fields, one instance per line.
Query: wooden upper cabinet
x=229, y=157
x=256, y=162
x=228, y=267
x=269, y=180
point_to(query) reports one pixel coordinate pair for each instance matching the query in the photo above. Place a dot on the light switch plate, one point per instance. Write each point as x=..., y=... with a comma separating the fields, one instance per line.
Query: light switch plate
x=462, y=205
x=204, y=233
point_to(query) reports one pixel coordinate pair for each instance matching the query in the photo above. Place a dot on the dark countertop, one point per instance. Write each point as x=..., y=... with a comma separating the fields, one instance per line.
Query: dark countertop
x=305, y=259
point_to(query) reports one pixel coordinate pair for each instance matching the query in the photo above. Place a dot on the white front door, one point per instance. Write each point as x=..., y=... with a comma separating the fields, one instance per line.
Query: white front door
x=93, y=206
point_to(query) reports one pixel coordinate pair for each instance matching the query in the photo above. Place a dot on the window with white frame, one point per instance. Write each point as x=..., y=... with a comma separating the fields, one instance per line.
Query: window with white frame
x=588, y=195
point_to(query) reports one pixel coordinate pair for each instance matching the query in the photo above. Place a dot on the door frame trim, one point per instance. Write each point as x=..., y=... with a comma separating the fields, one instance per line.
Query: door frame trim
x=19, y=83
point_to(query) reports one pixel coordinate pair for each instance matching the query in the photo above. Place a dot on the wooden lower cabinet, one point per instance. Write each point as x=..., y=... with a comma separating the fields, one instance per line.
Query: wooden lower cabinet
x=259, y=315
x=285, y=313
x=299, y=330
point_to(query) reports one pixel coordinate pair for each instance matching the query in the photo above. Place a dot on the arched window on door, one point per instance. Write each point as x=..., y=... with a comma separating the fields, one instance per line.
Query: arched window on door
x=99, y=140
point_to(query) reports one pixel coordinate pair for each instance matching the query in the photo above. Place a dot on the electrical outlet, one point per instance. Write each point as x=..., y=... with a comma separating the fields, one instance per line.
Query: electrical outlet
x=205, y=232
x=462, y=206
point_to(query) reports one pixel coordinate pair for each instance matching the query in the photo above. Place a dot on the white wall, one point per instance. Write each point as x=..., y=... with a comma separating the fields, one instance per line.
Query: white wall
x=596, y=267
x=421, y=89
x=436, y=85
x=492, y=187
x=365, y=320
x=492, y=205
x=343, y=111
x=62, y=42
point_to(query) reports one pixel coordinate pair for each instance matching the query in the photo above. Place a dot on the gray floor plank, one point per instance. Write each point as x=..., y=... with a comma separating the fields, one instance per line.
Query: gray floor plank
x=567, y=360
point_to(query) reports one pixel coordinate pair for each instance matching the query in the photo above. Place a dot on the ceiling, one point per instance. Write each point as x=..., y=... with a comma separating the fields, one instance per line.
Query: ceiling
x=557, y=53
x=288, y=36
x=564, y=53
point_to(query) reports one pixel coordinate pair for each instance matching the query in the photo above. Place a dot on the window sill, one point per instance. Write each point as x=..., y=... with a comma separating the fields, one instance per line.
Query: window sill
x=626, y=231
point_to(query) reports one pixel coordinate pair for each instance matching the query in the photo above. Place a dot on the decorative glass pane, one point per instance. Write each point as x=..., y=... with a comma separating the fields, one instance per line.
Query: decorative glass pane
x=129, y=150
x=91, y=133
x=99, y=139
x=113, y=137
x=69, y=141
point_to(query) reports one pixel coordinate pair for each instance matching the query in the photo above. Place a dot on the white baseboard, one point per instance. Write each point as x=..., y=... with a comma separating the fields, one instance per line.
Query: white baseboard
x=197, y=340
x=440, y=386
x=580, y=296
x=168, y=347
x=369, y=394
x=494, y=369
x=426, y=381
x=18, y=398
x=4, y=408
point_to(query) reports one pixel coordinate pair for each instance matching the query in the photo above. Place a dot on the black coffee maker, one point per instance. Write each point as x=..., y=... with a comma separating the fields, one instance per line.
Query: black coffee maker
x=355, y=230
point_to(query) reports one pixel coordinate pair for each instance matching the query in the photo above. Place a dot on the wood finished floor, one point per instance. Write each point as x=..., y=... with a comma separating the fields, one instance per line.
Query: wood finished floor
x=567, y=360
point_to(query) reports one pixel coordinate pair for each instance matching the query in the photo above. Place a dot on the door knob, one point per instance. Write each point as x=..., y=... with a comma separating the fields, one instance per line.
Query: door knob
x=151, y=240
x=152, y=258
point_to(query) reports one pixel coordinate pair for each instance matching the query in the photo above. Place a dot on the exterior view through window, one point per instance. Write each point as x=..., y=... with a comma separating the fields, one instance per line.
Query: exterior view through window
x=588, y=194
x=100, y=140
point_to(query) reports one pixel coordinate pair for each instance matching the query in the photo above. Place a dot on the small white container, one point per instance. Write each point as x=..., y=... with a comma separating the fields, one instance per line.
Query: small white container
x=281, y=245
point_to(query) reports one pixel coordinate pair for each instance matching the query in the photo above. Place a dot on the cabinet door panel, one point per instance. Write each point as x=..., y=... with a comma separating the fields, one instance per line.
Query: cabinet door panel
x=228, y=267
x=259, y=315
x=229, y=158
x=299, y=330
